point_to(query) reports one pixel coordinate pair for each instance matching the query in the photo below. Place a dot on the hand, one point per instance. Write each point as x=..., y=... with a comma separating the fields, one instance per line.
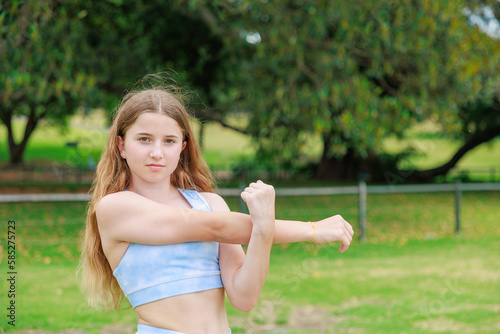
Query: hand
x=259, y=198
x=334, y=229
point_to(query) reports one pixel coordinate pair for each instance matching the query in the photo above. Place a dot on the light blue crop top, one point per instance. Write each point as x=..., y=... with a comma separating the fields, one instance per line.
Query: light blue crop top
x=147, y=273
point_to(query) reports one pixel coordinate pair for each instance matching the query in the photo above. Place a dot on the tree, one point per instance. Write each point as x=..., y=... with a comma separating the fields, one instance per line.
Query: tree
x=132, y=38
x=40, y=72
x=479, y=119
x=352, y=72
x=480, y=123
x=56, y=55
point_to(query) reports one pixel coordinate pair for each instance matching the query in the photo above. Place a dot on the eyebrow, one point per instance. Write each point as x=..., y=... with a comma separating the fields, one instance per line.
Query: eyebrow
x=148, y=134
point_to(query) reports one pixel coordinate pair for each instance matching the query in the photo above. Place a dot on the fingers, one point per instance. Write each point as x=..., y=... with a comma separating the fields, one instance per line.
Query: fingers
x=345, y=244
x=258, y=192
x=260, y=199
x=348, y=234
x=335, y=229
x=349, y=228
x=251, y=189
x=346, y=225
x=348, y=231
x=256, y=187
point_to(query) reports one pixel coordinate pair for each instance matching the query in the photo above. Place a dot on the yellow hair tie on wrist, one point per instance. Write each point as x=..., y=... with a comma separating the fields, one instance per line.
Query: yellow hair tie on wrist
x=314, y=228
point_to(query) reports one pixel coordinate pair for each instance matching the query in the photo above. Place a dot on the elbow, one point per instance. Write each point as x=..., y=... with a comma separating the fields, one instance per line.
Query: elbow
x=246, y=309
x=245, y=305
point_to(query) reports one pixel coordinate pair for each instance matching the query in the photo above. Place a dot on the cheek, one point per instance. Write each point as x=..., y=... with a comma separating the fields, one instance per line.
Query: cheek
x=136, y=151
x=132, y=147
x=179, y=153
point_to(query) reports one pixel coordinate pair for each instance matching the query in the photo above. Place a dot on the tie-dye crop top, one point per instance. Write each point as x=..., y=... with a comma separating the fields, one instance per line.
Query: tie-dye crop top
x=148, y=273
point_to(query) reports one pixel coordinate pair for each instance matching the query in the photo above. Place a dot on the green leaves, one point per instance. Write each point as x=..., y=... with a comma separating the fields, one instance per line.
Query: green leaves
x=42, y=65
x=349, y=71
x=357, y=71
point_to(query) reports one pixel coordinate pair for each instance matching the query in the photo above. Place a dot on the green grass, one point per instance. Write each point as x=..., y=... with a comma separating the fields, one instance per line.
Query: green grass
x=223, y=148
x=387, y=288
x=412, y=275
x=48, y=143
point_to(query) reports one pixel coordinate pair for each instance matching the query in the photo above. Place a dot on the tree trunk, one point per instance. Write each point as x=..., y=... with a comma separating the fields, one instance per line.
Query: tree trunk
x=17, y=150
x=341, y=169
x=350, y=167
x=477, y=139
x=201, y=135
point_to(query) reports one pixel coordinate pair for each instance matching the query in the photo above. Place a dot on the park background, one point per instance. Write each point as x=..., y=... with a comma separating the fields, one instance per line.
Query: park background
x=298, y=93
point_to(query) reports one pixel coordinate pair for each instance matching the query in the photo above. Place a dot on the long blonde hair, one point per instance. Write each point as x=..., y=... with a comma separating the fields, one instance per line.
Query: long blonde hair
x=113, y=175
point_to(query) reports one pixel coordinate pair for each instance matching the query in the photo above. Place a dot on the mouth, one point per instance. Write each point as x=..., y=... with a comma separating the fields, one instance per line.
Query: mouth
x=155, y=166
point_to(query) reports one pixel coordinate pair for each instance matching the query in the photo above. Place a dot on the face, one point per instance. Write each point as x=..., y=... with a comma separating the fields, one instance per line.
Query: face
x=152, y=147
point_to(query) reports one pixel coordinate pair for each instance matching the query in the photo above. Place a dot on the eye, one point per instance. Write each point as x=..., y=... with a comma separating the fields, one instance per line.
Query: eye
x=169, y=141
x=144, y=139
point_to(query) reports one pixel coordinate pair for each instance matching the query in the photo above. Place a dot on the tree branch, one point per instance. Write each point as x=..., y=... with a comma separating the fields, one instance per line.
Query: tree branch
x=216, y=118
x=474, y=141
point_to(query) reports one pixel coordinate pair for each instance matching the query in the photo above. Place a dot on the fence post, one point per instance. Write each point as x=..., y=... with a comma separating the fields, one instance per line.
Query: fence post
x=362, y=210
x=458, y=199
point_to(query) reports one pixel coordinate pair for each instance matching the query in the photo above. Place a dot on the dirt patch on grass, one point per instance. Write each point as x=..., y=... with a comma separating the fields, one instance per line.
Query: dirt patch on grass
x=279, y=319
x=443, y=324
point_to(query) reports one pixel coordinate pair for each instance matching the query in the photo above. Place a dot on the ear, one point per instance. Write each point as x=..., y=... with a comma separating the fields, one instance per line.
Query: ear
x=121, y=145
x=184, y=145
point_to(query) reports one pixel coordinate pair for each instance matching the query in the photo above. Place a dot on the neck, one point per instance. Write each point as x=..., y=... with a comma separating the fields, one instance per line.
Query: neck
x=158, y=192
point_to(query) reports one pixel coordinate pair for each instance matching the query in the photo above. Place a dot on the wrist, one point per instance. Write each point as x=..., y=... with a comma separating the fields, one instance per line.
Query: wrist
x=263, y=230
x=311, y=234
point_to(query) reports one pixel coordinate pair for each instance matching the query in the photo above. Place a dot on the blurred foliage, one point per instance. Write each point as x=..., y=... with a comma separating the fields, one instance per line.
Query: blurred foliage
x=351, y=72
x=58, y=56
x=132, y=38
x=42, y=67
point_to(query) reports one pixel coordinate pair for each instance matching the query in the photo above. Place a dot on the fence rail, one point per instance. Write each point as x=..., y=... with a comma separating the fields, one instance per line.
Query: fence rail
x=362, y=190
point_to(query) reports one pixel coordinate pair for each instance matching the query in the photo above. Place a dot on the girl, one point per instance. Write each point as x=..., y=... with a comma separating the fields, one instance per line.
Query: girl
x=157, y=234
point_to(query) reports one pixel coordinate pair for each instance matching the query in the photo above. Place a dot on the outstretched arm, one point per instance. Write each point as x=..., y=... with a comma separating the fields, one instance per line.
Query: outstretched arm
x=129, y=217
x=328, y=230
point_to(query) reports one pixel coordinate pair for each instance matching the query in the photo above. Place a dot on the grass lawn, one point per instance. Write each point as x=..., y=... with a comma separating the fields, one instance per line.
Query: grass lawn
x=411, y=276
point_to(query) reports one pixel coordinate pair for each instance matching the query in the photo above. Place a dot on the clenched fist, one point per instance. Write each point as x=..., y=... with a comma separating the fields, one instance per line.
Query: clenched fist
x=259, y=198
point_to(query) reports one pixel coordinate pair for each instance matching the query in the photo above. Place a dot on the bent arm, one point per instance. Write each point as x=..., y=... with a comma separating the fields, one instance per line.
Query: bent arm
x=244, y=275
x=129, y=217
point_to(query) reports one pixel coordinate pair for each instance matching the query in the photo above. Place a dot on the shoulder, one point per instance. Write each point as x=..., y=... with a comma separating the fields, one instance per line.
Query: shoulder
x=114, y=199
x=115, y=203
x=216, y=202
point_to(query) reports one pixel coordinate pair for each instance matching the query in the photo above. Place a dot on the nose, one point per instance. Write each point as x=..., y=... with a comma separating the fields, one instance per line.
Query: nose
x=156, y=152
